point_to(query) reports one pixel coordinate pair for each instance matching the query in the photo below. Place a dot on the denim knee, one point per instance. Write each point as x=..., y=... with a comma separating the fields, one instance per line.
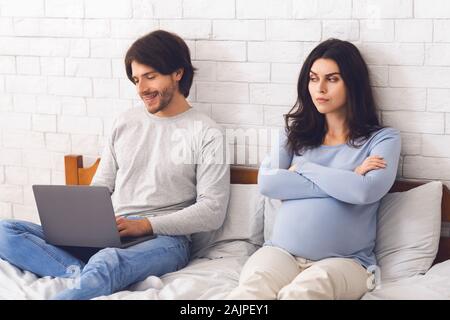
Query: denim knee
x=6, y=231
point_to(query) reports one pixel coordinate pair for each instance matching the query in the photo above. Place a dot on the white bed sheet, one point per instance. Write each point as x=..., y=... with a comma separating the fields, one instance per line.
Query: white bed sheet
x=211, y=277
x=434, y=285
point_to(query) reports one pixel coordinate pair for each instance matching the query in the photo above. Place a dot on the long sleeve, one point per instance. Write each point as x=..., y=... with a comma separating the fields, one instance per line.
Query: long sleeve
x=275, y=181
x=350, y=187
x=213, y=190
x=107, y=168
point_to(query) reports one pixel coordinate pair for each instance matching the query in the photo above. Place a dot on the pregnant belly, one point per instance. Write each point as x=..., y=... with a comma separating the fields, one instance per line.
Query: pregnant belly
x=324, y=227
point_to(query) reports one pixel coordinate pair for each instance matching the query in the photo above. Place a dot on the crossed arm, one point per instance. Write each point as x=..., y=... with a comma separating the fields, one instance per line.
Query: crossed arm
x=368, y=183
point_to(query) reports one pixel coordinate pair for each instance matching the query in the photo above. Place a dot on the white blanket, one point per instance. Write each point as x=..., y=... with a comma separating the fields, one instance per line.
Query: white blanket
x=212, y=277
x=209, y=277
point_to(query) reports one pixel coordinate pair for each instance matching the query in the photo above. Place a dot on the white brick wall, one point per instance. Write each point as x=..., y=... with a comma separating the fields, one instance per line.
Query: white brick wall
x=62, y=79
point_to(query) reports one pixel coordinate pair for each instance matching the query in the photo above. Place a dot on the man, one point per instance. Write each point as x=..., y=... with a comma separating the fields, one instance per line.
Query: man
x=154, y=190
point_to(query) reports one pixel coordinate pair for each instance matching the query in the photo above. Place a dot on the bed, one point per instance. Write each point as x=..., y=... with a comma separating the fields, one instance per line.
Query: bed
x=218, y=257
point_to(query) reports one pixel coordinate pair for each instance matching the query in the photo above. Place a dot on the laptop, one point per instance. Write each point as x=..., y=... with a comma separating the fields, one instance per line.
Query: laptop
x=80, y=216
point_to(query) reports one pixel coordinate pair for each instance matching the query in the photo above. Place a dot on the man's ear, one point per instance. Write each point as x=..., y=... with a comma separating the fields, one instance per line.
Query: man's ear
x=178, y=74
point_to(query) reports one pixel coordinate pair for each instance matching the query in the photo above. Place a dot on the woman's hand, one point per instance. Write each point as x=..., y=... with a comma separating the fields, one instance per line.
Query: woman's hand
x=371, y=163
x=133, y=227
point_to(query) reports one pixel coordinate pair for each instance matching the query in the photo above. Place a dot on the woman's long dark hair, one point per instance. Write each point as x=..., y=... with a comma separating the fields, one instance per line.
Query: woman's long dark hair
x=305, y=126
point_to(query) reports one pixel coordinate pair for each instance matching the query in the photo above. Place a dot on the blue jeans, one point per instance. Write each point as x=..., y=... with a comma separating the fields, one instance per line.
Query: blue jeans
x=107, y=271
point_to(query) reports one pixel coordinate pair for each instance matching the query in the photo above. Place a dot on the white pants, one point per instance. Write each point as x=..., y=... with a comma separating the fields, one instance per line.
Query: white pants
x=273, y=273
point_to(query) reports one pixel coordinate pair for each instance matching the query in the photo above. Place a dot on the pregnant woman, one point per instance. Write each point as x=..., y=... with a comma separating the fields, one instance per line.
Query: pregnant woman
x=334, y=164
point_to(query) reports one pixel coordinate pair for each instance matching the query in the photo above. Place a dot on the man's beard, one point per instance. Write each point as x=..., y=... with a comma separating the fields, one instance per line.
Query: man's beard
x=165, y=98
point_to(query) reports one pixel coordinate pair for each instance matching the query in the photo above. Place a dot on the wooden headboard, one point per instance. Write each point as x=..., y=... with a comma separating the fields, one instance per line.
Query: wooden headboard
x=76, y=174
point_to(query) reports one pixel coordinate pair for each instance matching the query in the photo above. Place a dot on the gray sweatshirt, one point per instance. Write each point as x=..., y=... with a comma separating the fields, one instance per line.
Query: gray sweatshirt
x=171, y=170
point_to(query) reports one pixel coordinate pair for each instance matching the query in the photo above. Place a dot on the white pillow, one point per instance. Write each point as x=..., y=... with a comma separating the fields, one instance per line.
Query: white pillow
x=243, y=222
x=408, y=231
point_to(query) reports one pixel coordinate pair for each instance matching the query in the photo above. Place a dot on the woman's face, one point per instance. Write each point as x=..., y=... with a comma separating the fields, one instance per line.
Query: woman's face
x=326, y=87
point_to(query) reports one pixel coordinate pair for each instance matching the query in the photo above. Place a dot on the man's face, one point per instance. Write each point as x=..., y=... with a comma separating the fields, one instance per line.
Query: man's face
x=155, y=89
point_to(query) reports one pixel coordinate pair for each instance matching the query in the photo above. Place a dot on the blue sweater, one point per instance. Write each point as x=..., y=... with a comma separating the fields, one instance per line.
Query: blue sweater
x=327, y=209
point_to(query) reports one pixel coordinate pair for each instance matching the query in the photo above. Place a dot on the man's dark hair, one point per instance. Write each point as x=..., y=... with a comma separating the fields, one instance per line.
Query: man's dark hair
x=306, y=126
x=166, y=53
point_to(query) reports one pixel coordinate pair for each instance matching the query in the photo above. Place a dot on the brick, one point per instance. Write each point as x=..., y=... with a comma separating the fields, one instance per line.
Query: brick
x=58, y=142
x=203, y=107
x=247, y=72
x=2, y=175
x=6, y=210
x=6, y=26
x=221, y=50
x=127, y=90
x=26, y=213
x=344, y=30
x=188, y=29
x=324, y=9
x=48, y=27
x=447, y=123
x=273, y=116
x=58, y=177
x=80, y=125
x=6, y=103
x=132, y=29
x=24, y=103
x=39, y=176
x=273, y=94
x=209, y=9
x=118, y=69
x=222, y=92
x=19, y=121
x=263, y=9
x=379, y=75
x=108, y=9
x=419, y=122
x=109, y=107
x=434, y=145
x=414, y=30
x=440, y=30
x=79, y=48
x=437, y=54
x=84, y=144
x=438, y=100
x=11, y=156
x=109, y=48
x=7, y=65
x=16, y=175
x=438, y=9
x=28, y=65
x=239, y=30
x=25, y=46
x=419, y=77
x=298, y=30
x=64, y=8
x=401, y=98
x=78, y=87
x=287, y=52
x=382, y=9
x=285, y=72
x=97, y=28
x=232, y=113
x=381, y=31
x=426, y=168
x=52, y=66
x=22, y=8
x=88, y=67
x=48, y=104
x=206, y=70
x=157, y=9
x=23, y=139
x=26, y=84
x=11, y=193
x=106, y=88
x=411, y=143
x=44, y=123
x=73, y=106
